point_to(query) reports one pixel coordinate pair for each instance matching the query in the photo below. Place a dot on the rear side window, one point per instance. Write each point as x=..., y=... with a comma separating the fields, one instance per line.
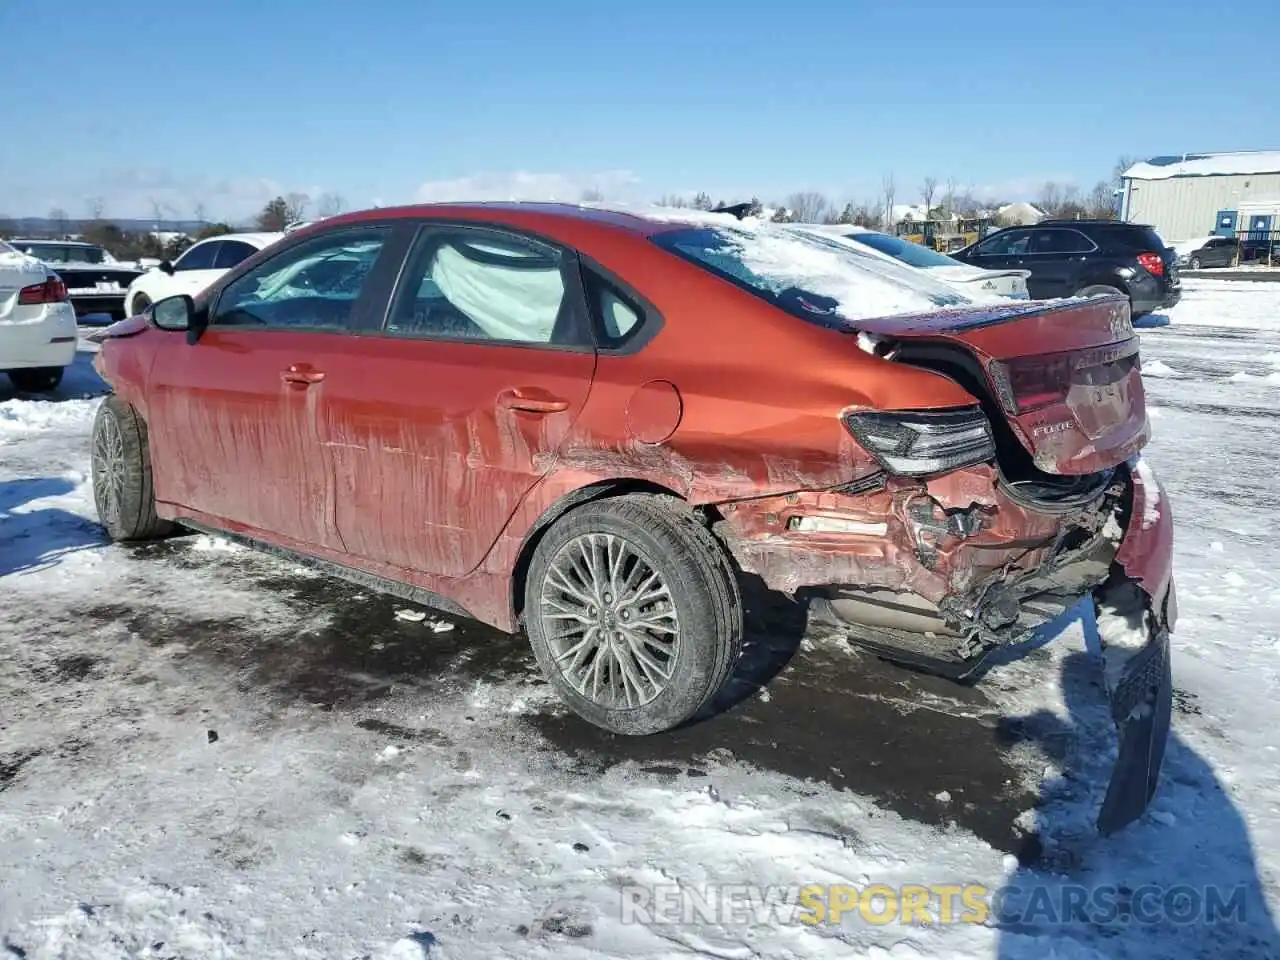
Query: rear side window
x=486, y=286
x=199, y=257
x=617, y=316
x=1135, y=239
x=231, y=252
x=1060, y=241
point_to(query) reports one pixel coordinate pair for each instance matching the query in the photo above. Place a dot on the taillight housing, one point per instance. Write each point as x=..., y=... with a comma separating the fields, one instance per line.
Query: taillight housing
x=1029, y=383
x=1153, y=263
x=52, y=290
x=921, y=443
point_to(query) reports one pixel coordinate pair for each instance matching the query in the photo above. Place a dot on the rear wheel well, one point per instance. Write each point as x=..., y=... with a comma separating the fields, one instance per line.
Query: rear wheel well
x=571, y=501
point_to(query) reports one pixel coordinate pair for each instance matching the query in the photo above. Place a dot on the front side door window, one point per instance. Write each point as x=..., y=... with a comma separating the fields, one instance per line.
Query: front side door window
x=315, y=285
x=237, y=410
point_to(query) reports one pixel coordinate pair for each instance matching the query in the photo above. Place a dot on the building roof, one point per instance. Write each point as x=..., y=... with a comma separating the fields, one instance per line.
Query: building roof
x=1206, y=165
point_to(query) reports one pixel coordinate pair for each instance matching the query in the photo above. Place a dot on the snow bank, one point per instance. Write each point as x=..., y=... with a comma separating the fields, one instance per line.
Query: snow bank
x=1246, y=305
x=1272, y=379
x=1158, y=368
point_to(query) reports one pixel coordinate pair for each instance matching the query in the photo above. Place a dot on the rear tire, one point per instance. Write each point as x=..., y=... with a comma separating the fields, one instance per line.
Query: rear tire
x=36, y=379
x=1195, y=263
x=633, y=612
x=122, y=485
x=1100, y=290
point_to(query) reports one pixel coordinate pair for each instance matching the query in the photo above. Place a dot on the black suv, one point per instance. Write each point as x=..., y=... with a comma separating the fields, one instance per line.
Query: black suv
x=1070, y=258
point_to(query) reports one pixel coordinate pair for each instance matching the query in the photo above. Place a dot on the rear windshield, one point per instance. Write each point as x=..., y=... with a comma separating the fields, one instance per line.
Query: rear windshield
x=809, y=276
x=909, y=253
x=64, y=253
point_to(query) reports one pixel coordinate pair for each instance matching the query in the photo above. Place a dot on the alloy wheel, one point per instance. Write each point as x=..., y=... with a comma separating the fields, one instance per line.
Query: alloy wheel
x=108, y=469
x=610, y=621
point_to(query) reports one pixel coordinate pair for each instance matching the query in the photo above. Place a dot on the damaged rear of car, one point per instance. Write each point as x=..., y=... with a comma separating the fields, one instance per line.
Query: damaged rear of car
x=977, y=524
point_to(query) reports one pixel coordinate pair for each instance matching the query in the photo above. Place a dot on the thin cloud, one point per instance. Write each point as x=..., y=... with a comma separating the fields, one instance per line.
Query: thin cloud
x=522, y=185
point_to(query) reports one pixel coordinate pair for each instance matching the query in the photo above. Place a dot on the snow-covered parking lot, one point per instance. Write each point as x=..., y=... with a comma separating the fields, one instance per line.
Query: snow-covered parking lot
x=207, y=753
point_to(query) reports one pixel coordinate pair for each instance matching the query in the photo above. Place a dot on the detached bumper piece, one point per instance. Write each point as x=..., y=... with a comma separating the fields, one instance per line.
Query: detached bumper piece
x=1142, y=708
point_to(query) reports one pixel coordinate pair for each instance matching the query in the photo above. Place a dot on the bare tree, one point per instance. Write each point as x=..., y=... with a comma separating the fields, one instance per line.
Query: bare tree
x=888, y=191
x=96, y=207
x=808, y=206
x=1050, y=199
x=296, y=207
x=591, y=195
x=949, y=195
x=200, y=212
x=1123, y=163
x=61, y=221
x=672, y=200
x=330, y=205
x=927, y=190
x=702, y=201
x=1101, y=203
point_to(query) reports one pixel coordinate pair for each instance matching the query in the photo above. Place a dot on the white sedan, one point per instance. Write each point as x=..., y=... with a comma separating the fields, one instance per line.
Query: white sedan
x=37, y=322
x=200, y=265
x=966, y=278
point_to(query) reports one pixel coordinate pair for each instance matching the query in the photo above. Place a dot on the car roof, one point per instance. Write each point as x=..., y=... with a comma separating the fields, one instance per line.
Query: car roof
x=1092, y=222
x=642, y=221
x=259, y=240
x=61, y=243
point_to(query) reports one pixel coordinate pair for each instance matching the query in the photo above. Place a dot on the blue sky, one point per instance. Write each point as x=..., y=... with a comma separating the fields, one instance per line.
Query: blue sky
x=226, y=103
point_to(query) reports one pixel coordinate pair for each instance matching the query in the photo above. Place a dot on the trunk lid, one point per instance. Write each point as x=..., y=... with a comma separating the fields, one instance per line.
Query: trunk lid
x=1063, y=375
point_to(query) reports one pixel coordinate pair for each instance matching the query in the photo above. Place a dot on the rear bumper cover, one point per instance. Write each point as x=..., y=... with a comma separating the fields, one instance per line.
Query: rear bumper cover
x=993, y=571
x=46, y=342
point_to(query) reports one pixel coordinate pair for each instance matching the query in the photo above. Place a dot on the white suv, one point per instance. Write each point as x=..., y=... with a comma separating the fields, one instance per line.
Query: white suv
x=37, y=322
x=199, y=266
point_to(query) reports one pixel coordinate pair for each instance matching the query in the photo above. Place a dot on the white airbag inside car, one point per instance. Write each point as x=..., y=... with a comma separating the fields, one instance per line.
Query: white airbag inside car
x=507, y=301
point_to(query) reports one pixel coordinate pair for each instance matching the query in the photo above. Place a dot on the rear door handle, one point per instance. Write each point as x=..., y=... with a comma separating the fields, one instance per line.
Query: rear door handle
x=526, y=401
x=302, y=374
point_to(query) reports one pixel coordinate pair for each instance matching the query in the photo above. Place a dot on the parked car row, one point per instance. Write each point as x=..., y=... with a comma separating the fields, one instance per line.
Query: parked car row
x=586, y=423
x=1084, y=258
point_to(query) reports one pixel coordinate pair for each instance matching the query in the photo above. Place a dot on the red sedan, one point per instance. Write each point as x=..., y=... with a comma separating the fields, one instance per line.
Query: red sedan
x=588, y=424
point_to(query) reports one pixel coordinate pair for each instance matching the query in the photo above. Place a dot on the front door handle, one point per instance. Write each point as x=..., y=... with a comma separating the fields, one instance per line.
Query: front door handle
x=525, y=401
x=302, y=374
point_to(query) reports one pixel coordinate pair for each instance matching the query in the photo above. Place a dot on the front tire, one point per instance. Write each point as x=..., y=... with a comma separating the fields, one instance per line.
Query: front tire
x=1195, y=263
x=633, y=612
x=122, y=485
x=36, y=379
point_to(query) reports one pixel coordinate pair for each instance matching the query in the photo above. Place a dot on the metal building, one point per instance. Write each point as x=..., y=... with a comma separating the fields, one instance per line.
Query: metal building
x=1197, y=194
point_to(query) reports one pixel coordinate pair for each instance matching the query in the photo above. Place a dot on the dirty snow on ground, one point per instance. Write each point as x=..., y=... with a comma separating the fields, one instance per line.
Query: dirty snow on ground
x=207, y=753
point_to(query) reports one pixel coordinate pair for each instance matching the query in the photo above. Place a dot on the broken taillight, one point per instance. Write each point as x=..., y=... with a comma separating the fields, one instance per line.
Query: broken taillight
x=919, y=443
x=1029, y=383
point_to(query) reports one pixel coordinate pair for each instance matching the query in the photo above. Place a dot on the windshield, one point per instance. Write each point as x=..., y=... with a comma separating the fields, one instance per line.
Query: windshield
x=909, y=253
x=65, y=253
x=809, y=276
